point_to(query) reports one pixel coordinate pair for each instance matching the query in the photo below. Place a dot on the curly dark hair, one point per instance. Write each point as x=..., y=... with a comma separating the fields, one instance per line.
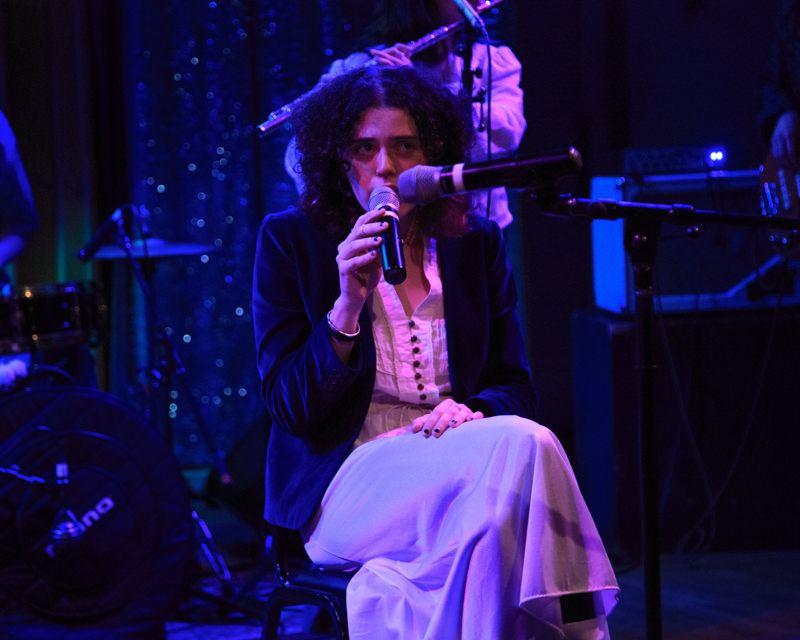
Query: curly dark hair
x=325, y=124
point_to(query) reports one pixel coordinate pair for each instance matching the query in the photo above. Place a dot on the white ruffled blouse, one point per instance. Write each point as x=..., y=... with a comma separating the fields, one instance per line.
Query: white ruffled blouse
x=412, y=373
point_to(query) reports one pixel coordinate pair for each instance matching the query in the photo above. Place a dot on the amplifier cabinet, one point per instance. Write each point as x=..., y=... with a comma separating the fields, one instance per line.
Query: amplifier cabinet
x=709, y=267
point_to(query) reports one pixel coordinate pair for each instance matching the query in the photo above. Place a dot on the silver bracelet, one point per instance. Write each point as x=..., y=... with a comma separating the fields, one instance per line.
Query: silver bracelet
x=338, y=334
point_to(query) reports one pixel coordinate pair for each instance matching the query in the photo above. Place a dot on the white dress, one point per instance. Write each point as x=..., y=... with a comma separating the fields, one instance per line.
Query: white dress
x=474, y=535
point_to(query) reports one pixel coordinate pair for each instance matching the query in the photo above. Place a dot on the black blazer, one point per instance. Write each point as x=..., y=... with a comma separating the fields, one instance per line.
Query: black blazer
x=315, y=403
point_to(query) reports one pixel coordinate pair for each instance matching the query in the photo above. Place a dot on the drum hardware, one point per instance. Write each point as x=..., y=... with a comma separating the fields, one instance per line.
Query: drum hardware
x=67, y=528
x=95, y=520
x=170, y=371
x=55, y=315
x=10, y=324
x=56, y=319
x=144, y=247
x=93, y=526
x=38, y=375
x=170, y=367
x=153, y=248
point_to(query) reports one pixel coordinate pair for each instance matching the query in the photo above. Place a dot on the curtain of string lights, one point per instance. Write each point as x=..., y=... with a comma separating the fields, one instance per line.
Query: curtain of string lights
x=200, y=76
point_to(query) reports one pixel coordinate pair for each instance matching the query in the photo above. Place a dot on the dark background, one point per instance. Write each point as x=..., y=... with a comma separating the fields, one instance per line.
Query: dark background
x=154, y=102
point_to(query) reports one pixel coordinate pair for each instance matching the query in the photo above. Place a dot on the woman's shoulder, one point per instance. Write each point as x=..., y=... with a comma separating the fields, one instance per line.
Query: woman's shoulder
x=285, y=221
x=292, y=229
x=285, y=226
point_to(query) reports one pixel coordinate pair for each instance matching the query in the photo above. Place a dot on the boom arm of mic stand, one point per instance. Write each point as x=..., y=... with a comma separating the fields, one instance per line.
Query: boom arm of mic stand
x=602, y=209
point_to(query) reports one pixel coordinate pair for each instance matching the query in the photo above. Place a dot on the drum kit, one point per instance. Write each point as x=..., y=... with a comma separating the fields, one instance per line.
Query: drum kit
x=66, y=315
x=95, y=519
x=50, y=315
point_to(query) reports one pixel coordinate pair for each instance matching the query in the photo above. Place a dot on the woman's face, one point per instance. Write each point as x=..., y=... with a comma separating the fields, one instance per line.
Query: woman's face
x=384, y=145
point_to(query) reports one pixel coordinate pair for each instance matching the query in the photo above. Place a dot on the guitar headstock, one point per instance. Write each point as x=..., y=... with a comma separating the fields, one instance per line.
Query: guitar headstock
x=780, y=198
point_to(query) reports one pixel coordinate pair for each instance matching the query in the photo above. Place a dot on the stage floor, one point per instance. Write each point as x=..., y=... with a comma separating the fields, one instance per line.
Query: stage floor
x=742, y=595
x=713, y=596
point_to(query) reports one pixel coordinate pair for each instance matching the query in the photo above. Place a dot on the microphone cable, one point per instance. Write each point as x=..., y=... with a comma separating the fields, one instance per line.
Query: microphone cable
x=748, y=427
x=712, y=497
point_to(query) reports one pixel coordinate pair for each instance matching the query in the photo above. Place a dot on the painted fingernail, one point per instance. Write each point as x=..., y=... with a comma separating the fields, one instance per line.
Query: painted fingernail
x=426, y=431
x=436, y=431
x=453, y=421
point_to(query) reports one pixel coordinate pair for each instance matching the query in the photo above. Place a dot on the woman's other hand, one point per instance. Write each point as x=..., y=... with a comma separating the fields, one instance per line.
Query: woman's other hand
x=448, y=414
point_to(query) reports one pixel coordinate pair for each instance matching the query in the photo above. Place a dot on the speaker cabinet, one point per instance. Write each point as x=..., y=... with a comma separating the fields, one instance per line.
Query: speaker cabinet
x=727, y=429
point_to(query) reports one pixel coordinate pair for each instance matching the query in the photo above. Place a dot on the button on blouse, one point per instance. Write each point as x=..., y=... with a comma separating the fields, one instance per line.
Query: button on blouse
x=411, y=353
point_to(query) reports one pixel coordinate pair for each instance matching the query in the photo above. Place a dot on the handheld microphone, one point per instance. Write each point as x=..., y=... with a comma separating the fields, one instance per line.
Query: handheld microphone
x=423, y=184
x=100, y=236
x=394, y=264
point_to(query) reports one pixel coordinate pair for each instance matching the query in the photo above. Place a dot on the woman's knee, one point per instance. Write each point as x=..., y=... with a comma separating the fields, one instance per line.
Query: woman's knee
x=526, y=430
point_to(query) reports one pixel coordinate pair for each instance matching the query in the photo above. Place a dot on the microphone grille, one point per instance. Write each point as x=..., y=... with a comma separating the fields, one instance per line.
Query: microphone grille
x=383, y=198
x=420, y=184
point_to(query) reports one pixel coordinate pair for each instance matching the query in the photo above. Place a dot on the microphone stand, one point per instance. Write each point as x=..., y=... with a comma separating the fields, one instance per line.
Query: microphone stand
x=466, y=54
x=168, y=368
x=640, y=237
x=466, y=49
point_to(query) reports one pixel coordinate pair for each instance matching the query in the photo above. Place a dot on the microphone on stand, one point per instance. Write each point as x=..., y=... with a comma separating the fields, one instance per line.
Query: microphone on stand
x=392, y=259
x=423, y=184
x=114, y=221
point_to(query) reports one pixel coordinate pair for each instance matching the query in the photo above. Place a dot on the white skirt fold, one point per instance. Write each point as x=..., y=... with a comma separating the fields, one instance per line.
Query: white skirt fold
x=473, y=535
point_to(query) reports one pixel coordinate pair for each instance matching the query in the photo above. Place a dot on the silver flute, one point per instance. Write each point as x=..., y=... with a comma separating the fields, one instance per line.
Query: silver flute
x=279, y=116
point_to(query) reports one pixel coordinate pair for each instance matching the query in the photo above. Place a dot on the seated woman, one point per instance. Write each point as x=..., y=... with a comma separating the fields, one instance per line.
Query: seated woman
x=402, y=442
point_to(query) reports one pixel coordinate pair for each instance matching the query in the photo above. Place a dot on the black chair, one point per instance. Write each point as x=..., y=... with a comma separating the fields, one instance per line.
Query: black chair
x=301, y=582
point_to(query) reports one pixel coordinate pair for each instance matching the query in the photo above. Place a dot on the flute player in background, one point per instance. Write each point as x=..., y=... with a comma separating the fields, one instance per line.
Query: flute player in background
x=402, y=21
